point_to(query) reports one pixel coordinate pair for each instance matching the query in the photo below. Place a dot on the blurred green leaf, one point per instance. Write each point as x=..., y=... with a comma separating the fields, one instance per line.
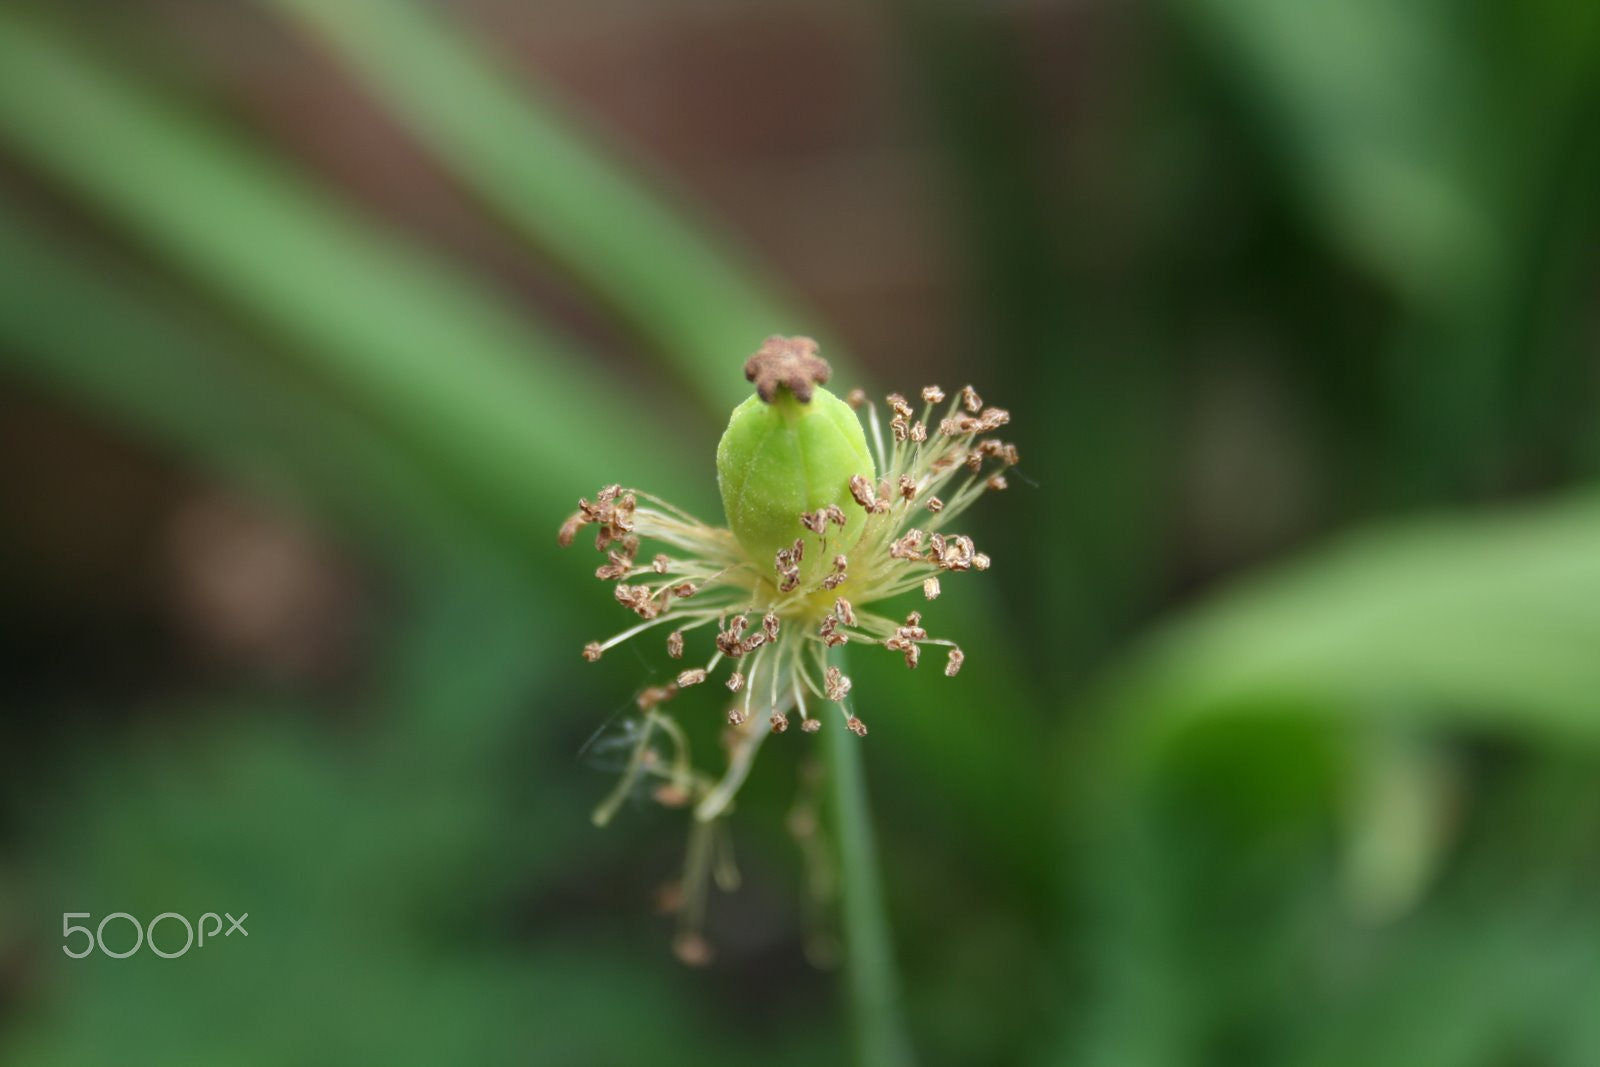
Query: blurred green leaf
x=473, y=389
x=1210, y=838
x=95, y=333
x=668, y=274
x=1439, y=146
x=1489, y=622
x=1373, y=108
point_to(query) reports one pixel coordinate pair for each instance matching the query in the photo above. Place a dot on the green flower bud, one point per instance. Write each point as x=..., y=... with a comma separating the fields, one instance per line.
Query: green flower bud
x=790, y=449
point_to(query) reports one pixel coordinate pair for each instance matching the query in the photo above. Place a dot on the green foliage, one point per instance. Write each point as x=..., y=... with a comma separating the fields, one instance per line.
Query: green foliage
x=1341, y=811
x=1323, y=731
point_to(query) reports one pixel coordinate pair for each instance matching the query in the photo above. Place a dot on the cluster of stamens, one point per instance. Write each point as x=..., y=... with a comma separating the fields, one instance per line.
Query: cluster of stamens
x=900, y=544
x=776, y=619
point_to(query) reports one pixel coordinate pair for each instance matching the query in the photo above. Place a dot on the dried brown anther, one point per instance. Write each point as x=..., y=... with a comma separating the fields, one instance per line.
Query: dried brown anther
x=655, y=695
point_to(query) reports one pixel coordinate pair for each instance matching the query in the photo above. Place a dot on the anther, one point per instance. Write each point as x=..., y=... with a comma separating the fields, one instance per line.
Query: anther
x=569, y=529
x=993, y=419
x=861, y=489
x=907, y=547
x=953, y=664
x=655, y=695
x=692, y=949
x=670, y=796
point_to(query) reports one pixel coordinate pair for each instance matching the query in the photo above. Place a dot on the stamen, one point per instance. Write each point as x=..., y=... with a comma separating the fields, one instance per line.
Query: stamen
x=865, y=495
x=920, y=462
x=953, y=664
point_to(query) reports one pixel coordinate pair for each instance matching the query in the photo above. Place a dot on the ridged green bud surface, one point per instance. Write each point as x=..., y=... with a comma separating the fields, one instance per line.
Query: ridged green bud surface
x=782, y=458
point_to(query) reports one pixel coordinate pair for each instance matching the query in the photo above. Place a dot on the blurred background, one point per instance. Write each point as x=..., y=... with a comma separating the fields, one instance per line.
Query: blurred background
x=1279, y=739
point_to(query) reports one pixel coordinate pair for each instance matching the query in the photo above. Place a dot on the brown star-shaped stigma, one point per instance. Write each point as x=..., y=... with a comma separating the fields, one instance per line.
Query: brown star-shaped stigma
x=789, y=362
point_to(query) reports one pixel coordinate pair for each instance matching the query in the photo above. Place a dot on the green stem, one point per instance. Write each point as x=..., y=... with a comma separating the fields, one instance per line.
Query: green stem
x=873, y=985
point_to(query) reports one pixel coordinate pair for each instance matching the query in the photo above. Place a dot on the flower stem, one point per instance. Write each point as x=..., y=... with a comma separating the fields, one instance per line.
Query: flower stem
x=873, y=985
